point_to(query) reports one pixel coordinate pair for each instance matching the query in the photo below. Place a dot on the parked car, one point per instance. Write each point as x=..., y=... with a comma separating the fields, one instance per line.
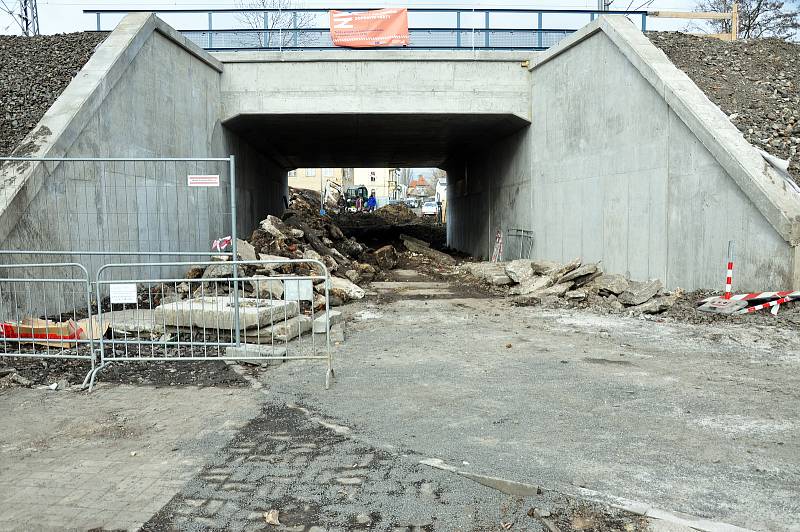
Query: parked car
x=429, y=208
x=412, y=203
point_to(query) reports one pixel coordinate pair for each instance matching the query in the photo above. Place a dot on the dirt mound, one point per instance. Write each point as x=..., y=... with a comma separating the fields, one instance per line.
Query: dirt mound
x=396, y=214
x=755, y=82
x=34, y=71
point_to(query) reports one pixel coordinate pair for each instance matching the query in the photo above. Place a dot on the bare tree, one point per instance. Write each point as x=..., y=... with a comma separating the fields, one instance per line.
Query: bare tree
x=406, y=176
x=283, y=28
x=757, y=18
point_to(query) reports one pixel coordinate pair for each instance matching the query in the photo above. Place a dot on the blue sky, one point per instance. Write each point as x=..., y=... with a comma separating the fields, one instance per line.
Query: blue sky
x=58, y=16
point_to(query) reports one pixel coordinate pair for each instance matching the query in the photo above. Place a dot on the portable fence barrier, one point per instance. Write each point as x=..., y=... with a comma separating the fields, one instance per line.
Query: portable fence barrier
x=46, y=312
x=121, y=224
x=237, y=310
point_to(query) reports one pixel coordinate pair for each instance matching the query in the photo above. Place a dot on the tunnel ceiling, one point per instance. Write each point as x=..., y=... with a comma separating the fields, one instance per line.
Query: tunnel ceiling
x=374, y=140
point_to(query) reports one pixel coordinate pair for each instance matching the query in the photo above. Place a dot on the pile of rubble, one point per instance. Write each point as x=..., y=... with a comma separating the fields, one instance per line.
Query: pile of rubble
x=535, y=282
x=302, y=234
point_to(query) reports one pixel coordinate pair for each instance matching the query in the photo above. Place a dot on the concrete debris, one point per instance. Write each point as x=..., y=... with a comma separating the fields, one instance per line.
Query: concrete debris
x=610, y=284
x=639, y=292
x=15, y=379
x=337, y=333
x=341, y=289
x=245, y=250
x=538, y=282
x=333, y=317
x=282, y=331
x=493, y=273
x=386, y=257
x=519, y=270
x=218, y=312
x=265, y=288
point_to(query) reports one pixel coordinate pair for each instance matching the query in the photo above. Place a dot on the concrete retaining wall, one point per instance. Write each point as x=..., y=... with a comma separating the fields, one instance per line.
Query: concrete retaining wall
x=146, y=92
x=627, y=163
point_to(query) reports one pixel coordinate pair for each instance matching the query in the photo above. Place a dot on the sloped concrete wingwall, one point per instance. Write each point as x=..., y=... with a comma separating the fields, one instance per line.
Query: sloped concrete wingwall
x=146, y=92
x=609, y=172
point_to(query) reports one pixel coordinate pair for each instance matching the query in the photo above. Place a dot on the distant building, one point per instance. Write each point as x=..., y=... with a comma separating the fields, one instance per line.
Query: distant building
x=419, y=188
x=310, y=178
x=380, y=180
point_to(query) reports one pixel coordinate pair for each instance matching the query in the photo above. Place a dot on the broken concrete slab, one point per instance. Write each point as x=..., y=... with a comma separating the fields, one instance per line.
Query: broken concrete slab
x=333, y=317
x=341, y=288
x=540, y=267
x=519, y=270
x=585, y=269
x=576, y=294
x=266, y=288
x=557, y=290
x=562, y=270
x=639, y=292
x=281, y=331
x=219, y=312
x=534, y=284
x=423, y=248
x=135, y=321
x=218, y=271
x=654, y=305
x=610, y=283
x=492, y=272
x=245, y=250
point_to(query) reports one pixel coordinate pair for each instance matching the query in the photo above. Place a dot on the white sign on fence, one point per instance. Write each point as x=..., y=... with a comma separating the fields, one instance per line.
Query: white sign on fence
x=299, y=290
x=204, y=180
x=122, y=293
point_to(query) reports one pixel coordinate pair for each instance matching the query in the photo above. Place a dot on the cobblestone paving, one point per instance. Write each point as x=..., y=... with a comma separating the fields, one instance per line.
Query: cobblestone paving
x=320, y=480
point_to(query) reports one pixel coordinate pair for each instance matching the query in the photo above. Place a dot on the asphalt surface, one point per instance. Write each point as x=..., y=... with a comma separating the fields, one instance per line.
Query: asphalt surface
x=698, y=419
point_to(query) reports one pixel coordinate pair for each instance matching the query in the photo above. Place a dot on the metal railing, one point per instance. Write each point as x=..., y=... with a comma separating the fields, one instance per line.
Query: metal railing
x=429, y=28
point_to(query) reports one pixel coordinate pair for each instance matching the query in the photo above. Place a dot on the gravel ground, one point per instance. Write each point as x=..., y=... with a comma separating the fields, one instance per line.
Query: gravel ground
x=755, y=82
x=34, y=71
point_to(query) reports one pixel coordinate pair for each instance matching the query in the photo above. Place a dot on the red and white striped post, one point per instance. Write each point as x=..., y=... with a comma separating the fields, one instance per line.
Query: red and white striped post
x=729, y=277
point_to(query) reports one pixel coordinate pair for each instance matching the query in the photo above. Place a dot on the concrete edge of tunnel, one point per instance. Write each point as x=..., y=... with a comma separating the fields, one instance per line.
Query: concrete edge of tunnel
x=710, y=125
x=332, y=56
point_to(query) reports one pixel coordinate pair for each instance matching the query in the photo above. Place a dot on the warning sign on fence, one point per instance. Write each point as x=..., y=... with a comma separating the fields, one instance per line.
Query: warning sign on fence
x=365, y=29
x=204, y=180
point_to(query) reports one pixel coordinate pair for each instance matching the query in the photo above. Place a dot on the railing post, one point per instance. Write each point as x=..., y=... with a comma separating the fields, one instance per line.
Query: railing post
x=294, y=26
x=266, y=42
x=234, y=250
x=458, y=29
x=486, y=39
x=539, y=33
x=644, y=21
x=210, y=27
x=98, y=21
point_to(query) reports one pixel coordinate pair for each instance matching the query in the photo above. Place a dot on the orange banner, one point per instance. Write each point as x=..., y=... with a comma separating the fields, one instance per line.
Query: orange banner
x=378, y=27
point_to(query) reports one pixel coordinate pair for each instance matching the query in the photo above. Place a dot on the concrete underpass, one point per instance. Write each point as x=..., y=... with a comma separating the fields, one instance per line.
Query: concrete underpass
x=599, y=146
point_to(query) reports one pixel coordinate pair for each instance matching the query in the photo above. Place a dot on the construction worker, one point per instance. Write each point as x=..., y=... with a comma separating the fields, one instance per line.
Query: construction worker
x=372, y=203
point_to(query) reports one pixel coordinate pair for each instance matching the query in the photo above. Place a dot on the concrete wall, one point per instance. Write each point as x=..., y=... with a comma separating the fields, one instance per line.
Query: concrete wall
x=348, y=81
x=608, y=171
x=160, y=97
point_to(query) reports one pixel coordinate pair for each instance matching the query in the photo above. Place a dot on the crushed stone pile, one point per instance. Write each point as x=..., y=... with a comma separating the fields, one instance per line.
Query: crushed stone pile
x=756, y=82
x=541, y=282
x=34, y=71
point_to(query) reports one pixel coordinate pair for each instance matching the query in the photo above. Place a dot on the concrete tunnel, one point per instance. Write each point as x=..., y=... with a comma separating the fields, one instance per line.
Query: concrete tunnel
x=599, y=146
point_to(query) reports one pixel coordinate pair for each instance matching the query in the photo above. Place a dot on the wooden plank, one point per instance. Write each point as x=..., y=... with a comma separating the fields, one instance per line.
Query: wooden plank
x=707, y=15
x=720, y=36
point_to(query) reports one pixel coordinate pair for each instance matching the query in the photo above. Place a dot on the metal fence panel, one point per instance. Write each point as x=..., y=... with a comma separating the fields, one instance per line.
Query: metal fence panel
x=35, y=322
x=235, y=310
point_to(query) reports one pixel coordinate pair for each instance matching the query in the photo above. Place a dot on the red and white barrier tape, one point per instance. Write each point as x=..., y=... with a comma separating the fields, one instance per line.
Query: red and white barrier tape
x=767, y=305
x=221, y=243
x=760, y=295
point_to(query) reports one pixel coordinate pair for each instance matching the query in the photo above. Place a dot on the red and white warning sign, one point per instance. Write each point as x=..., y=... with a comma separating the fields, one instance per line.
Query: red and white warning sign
x=204, y=180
